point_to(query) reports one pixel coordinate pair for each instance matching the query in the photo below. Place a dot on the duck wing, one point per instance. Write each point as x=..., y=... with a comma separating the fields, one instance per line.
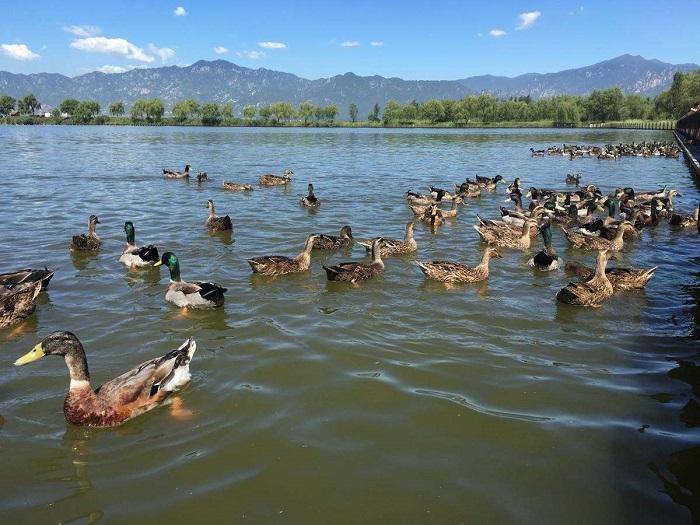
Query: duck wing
x=148, y=253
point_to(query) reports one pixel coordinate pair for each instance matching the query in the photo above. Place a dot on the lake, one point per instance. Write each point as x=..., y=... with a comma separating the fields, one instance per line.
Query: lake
x=395, y=401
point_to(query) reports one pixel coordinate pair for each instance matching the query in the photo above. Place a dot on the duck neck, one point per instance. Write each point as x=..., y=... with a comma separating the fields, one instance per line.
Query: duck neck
x=304, y=257
x=377, y=255
x=175, y=272
x=91, y=229
x=77, y=366
x=599, y=275
x=485, y=259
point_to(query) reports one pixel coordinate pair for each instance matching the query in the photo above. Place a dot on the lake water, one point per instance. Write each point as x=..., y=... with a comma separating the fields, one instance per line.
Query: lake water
x=394, y=401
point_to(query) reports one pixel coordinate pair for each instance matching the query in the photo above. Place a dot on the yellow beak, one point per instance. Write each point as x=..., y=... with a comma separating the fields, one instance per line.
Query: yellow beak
x=35, y=353
x=158, y=263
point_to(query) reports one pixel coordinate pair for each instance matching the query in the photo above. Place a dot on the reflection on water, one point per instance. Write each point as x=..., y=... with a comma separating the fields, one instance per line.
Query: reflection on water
x=468, y=403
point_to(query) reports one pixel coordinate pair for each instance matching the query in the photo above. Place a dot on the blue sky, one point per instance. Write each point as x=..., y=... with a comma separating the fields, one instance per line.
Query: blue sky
x=409, y=39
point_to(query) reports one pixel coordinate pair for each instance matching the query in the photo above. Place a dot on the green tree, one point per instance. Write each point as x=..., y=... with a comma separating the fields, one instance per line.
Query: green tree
x=227, y=111
x=282, y=111
x=306, y=112
x=330, y=112
x=29, y=104
x=69, y=106
x=85, y=111
x=155, y=110
x=353, y=112
x=249, y=112
x=433, y=111
x=265, y=113
x=605, y=104
x=116, y=108
x=210, y=114
x=139, y=109
x=392, y=112
x=7, y=104
x=374, y=115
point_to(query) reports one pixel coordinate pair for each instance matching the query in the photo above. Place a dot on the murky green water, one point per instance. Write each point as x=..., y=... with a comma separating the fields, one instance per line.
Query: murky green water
x=396, y=401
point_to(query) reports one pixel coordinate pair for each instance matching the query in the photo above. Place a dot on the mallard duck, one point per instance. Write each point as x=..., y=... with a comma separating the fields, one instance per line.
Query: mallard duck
x=590, y=242
x=488, y=184
x=127, y=396
x=355, y=271
x=416, y=199
x=546, y=260
x=28, y=275
x=389, y=247
x=514, y=186
x=232, y=186
x=136, y=257
x=419, y=211
x=621, y=278
x=451, y=272
x=573, y=179
x=537, y=152
x=592, y=292
x=275, y=180
x=334, y=242
x=685, y=221
x=198, y=294
x=17, y=302
x=505, y=236
x=90, y=242
x=216, y=223
x=202, y=177
x=433, y=216
x=173, y=174
x=273, y=265
x=445, y=195
x=310, y=201
x=468, y=189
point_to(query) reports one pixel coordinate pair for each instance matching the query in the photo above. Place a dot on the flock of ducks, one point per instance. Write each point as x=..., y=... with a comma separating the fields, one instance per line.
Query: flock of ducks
x=626, y=212
x=613, y=151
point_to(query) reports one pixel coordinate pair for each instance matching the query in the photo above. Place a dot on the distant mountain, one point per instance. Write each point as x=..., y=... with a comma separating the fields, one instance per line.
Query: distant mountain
x=222, y=81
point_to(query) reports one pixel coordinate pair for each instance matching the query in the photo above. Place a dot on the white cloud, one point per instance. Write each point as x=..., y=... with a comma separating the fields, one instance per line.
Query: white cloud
x=272, y=45
x=113, y=69
x=497, y=32
x=527, y=20
x=83, y=31
x=253, y=55
x=19, y=52
x=220, y=50
x=180, y=11
x=349, y=43
x=164, y=53
x=376, y=43
x=111, y=46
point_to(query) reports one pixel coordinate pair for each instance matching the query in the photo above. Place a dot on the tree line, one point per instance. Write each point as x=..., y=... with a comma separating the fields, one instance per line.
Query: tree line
x=566, y=110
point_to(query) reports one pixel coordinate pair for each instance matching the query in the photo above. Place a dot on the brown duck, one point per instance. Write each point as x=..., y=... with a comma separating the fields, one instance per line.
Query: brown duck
x=451, y=272
x=354, y=271
x=274, y=265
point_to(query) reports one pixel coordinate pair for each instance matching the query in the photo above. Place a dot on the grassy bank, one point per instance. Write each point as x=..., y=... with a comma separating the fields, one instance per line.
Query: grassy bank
x=260, y=123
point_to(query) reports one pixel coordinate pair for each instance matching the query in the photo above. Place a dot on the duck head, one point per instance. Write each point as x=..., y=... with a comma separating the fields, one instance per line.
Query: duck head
x=130, y=232
x=346, y=231
x=170, y=260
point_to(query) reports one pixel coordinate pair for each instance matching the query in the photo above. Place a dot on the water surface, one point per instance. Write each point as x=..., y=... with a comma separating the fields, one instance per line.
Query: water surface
x=397, y=400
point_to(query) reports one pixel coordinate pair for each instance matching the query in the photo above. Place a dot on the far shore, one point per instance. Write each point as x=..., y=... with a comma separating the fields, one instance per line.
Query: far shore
x=103, y=120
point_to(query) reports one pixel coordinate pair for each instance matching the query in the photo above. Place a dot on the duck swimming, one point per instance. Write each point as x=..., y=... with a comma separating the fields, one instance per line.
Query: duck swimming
x=275, y=180
x=131, y=394
x=451, y=272
x=592, y=292
x=17, y=302
x=310, y=201
x=173, y=174
x=622, y=279
x=90, y=242
x=354, y=271
x=136, y=257
x=273, y=265
x=216, y=223
x=199, y=294
x=28, y=275
x=503, y=235
x=546, y=260
x=232, y=186
x=334, y=242
x=389, y=247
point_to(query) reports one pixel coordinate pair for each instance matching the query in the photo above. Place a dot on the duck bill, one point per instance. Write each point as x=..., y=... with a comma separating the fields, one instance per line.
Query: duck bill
x=158, y=263
x=34, y=354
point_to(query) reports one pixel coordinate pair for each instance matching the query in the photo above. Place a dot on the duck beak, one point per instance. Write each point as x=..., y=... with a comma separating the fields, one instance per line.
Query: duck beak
x=34, y=354
x=158, y=263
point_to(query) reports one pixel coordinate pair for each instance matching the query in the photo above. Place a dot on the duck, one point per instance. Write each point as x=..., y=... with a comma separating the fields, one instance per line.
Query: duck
x=514, y=186
x=173, y=174
x=28, y=275
x=233, y=186
x=592, y=292
x=416, y=199
x=354, y=271
x=468, y=189
x=273, y=265
x=419, y=211
x=622, y=279
x=488, y=184
x=685, y=221
x=199, y=294
x=202, y=177
x=433, y=216
x=216, y=223
x=334, y=242
x=446, y=195
x=573, y=179
x=503, y=235
x=453, y=273
x=389, y=247
x=90, y=242
x=310, y=201
x=136, y=257
x=546, y=260
x=537, y=153
x=18, y=301
x=590, y=242
x=131, y=394
x=276, y=180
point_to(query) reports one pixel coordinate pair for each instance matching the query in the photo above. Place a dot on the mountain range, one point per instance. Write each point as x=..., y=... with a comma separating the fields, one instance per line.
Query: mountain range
x=222, y=81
